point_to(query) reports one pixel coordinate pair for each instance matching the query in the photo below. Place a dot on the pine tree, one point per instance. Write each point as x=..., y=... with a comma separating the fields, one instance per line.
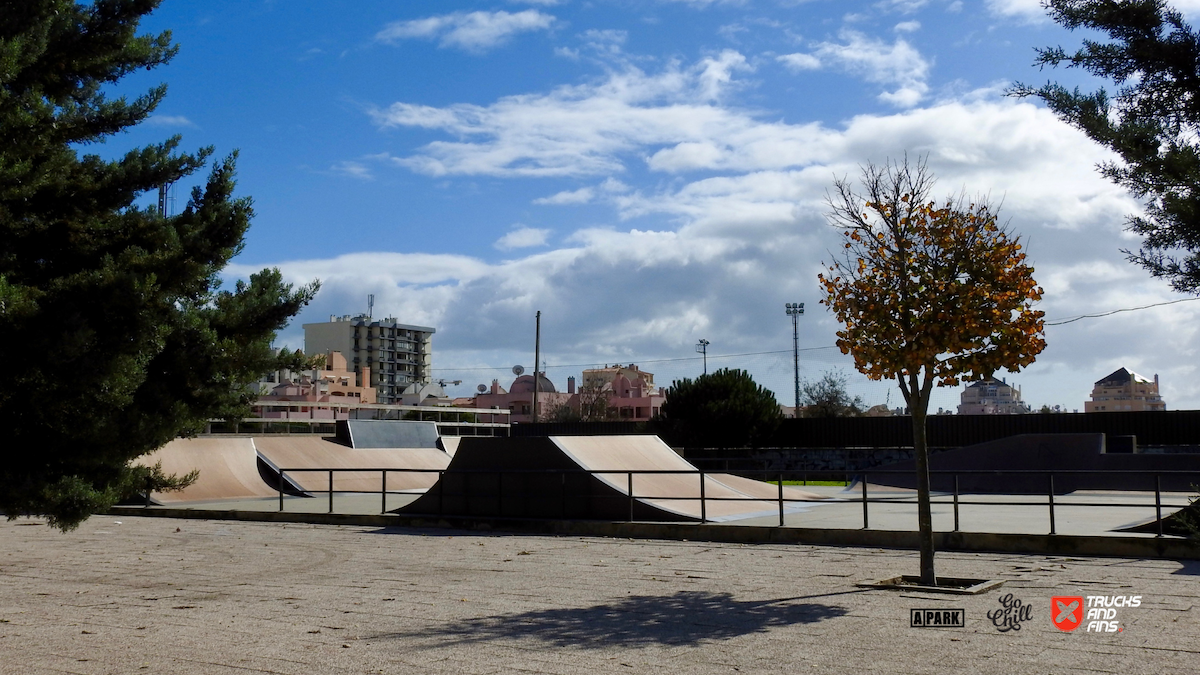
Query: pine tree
x=116, y=334
x=1152, y=122
x=725, y=409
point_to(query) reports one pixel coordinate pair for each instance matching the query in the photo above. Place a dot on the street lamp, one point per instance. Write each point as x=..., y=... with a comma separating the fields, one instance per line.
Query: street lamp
x=702, y=347
x=794, y=310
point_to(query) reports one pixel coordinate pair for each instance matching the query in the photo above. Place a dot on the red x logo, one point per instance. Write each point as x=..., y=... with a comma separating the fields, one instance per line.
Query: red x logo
x=1066, y=612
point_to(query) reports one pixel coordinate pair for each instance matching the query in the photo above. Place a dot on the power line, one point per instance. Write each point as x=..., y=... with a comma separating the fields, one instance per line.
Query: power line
x=1061, y=322
x=685, y=358
x=1058, y=322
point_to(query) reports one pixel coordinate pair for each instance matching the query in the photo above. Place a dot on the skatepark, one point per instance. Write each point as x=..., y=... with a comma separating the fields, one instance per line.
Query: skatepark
x=405, y=471
x=296, y=555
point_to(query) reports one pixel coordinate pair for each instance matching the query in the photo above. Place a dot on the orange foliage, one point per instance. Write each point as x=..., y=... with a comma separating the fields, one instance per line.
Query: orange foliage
x=930, y=292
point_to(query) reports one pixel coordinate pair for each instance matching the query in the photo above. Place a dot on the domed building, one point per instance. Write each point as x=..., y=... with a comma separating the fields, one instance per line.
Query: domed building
x=518, y=398
x=524, y=385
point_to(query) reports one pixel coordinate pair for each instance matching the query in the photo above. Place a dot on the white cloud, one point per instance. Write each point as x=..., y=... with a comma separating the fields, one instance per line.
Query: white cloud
x=898, y=64
x=1028, y=10
x=473, y=31
x=170, y=121
x=608, y=35
x=901, y=6
x=907, y=26
x=1031, y=11
x=353, y=169
x=575, y=130
x=714, y=255
x=581, y=196
x=523, y=237
x=704, y=4
x=798, y=62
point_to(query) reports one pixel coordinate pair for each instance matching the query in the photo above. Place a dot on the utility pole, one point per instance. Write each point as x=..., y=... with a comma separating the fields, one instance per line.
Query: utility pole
x=537, y=363
x=794, y=310
x=702, y=347
x=164, y=196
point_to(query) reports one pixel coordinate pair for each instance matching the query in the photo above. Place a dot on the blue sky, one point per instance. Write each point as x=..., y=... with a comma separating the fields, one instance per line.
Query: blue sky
x=645, y=172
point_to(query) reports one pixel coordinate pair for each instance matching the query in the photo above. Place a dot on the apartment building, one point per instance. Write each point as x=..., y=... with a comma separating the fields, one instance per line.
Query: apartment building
x=390, y=354
x=991, y=397
x=1124, y=390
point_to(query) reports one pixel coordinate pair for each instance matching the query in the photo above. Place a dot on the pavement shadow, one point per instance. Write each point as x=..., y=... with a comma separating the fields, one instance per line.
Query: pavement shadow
x=687, y=618
x=1191, y=567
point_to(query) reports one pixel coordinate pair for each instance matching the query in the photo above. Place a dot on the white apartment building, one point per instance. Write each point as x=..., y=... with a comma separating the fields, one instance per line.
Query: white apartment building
x=395, y=353
x=992, y=397
x=1124, y=390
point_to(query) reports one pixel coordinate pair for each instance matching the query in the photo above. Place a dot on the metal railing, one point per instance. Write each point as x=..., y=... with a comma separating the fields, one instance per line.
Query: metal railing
x=953, y=497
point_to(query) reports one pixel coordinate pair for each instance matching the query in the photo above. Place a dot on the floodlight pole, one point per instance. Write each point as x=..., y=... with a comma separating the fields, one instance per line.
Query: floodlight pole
x=537, y=363
x=702, y=347
x=794, y=310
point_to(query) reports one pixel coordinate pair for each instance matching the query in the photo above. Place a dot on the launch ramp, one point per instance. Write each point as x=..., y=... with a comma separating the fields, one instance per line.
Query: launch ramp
x=587, y=477
x=291, y=452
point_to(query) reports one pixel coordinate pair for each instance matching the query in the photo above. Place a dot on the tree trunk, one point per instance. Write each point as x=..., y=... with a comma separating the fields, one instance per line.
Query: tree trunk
x=924, y=511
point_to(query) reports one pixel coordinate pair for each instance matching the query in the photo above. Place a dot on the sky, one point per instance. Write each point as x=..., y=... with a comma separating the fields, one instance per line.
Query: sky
x=647, y=173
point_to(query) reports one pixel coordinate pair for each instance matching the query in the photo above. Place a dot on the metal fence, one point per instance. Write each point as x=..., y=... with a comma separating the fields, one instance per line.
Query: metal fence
x=953, y=497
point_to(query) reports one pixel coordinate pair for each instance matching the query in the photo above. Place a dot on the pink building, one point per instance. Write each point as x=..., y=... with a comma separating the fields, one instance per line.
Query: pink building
x=329, y=389
x=519, y=398
x=629, y=393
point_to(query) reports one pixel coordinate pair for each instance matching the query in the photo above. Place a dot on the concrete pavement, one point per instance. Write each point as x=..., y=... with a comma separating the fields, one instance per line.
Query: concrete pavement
x=132, y=595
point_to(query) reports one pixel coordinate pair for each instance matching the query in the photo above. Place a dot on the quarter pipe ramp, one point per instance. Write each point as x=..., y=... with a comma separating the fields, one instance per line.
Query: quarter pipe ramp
x=590, y=477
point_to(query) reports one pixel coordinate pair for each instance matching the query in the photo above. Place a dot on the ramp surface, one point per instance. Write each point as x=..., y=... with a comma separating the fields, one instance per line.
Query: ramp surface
x=761, y=490
x=360, y=434
x=228, y=469
x=291, y=452
x=584, y=477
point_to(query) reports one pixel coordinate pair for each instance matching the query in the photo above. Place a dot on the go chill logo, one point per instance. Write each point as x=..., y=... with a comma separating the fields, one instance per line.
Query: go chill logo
x=1098, y=613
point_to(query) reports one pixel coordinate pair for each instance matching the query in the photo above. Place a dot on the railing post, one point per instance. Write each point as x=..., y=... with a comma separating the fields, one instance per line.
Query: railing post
x=1158, y=503
x=864, y=501
x=781, y=499
x=442, y=493
x=956, y=502
x=1052, y=504
x=280, y=485
x=703, y=507
x=563, y=477
x=629, y=475
x=331, y=490
x=383, y=493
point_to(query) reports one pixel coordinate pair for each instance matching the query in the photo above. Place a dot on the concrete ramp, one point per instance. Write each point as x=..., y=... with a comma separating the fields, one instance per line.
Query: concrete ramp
x=229, y=469
x=762, y=490
x=362, y=434
x=293, y=452
x=548, y=477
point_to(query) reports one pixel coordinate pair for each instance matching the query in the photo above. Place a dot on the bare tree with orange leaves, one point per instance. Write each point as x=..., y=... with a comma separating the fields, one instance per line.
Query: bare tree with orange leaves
x=929, y=293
